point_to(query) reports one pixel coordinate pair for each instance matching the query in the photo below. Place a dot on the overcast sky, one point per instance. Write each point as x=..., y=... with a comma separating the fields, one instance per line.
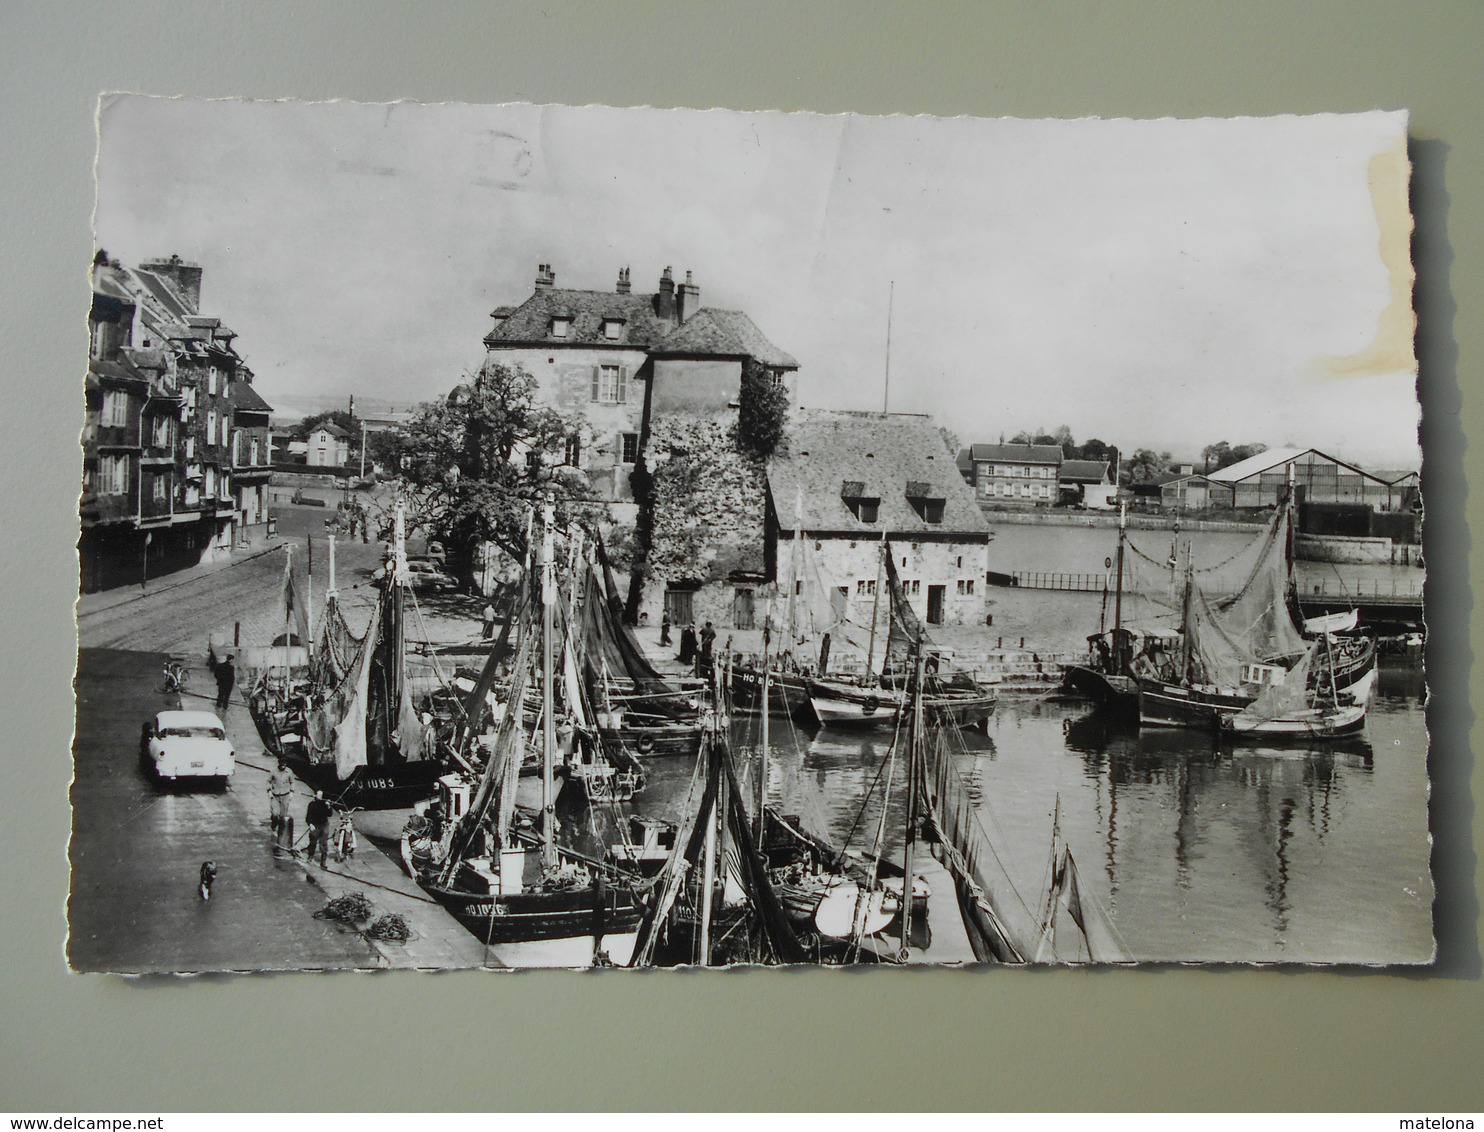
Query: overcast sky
x=1159, y=284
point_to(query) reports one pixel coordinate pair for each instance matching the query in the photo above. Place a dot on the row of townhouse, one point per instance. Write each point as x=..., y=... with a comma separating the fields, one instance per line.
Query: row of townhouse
x=176, y=451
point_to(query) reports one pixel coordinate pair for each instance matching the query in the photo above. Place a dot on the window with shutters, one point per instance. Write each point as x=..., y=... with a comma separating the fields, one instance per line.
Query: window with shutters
x=630, y=447
x=115, y=409
x=573, y=454
x=610, y=384
x=113, y=475
x=160, y=433
x=211, y=426
x=561, y=327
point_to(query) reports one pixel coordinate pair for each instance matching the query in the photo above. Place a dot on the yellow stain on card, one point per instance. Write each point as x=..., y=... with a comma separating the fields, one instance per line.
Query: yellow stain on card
x=1392, y=350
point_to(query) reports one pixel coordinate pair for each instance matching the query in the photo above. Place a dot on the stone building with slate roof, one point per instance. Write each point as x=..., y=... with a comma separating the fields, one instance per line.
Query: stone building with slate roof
x=619, y=358
x=1013, y=474
x=850, y=480
x=162, y=438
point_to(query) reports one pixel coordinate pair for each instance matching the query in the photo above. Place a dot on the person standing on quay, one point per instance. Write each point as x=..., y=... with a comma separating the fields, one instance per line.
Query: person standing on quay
x=226, y=680
x=317, y=817
x=665, y=630
x=280, y=790
x=489, y=622
x=708, y=639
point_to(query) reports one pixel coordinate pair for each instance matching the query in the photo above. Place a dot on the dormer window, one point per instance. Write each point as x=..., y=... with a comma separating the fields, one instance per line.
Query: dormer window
x=866, y=508
x=561, y=326
x=612, y=329
x=929, y=507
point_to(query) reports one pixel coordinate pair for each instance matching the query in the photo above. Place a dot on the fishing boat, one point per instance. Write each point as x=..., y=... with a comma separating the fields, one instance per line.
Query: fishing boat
x=878, y=697
x=510, y=883
x=1293, y=709
x=1225, y=651
x=344, y=718
x=1071, y=927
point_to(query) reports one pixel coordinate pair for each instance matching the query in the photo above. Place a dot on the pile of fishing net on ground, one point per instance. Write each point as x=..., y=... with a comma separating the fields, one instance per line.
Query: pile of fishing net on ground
x=354, y=910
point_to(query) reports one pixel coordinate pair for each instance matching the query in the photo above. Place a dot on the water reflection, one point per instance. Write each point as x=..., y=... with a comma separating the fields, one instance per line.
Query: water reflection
x=1199, y=847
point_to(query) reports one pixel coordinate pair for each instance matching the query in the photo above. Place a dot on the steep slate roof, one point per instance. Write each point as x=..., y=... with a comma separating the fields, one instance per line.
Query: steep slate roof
x=878, y=457
x=1017, y=453
x=726, y=334
x=247, y=399
x=1084, y=471
x=333, y=429
x=530, y=323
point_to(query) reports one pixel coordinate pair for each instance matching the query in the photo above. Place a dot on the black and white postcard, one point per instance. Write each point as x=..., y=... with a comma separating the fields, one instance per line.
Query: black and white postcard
x=532, y=536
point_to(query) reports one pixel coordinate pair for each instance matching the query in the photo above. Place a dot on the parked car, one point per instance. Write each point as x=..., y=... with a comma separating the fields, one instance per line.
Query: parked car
x=425, y=577
x=179, y=745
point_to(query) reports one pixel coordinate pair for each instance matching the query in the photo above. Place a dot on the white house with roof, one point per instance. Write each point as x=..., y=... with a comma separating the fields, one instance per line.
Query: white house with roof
x=1261, y=480
x=852, y=482
x=327, y=445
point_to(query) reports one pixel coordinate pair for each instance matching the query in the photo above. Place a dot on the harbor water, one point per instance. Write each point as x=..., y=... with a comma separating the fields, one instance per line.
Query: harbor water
x=1198, y=848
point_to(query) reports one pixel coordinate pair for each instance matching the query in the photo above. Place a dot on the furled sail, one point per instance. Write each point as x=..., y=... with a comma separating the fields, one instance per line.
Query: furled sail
x=336, y=726
x=1286, y=697
x=1258, y=613
x=1000, y=926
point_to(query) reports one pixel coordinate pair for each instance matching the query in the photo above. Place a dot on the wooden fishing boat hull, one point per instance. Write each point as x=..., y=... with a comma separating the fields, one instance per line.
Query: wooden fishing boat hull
x=1316, y=723
x=788, y=693
x=1173, y=705
x=524, y=917
x=843, y=705
x=387, y=787
x=647, y=741
x=1107, y=690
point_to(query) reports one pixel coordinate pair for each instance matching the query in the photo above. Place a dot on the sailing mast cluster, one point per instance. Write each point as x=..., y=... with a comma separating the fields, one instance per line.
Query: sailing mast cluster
x=567, y=708
x=1248, y=664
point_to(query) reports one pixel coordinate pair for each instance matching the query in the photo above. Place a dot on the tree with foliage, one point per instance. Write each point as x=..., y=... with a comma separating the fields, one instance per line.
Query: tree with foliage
x=1223, y=455
x=950, y=440
x=479, y=460
x=338, y=417
x=1146, y=465
x=762, y=410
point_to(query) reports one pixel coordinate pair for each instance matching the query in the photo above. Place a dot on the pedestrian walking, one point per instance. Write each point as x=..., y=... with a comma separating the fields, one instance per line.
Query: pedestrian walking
x=226, y=680
x=665, y=629
x=489, y=622
x=208, y=876
x=317, y=817
x=280, y=790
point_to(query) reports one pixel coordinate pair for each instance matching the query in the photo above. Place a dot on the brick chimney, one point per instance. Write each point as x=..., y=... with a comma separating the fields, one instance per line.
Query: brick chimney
x=690, y=297
x=184, y=278
x=545, y=276
x=623, y=280
x=664, y=299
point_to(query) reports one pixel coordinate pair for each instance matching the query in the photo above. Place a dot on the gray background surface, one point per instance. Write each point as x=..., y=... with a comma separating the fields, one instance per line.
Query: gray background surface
x=1173, y=1038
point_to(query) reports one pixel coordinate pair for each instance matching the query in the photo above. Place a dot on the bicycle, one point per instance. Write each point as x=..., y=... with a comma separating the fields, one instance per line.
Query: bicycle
x=176, y=675
x=343, y=841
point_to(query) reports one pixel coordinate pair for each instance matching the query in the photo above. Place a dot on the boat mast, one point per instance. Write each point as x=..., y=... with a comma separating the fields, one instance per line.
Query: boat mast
x=914, y=754
x=762, y=763
x=1118, y=593
x=399, y=579
x=886, y=384
x=548, y=712
x=876, y=605
x=330, y=592
x=288, y=613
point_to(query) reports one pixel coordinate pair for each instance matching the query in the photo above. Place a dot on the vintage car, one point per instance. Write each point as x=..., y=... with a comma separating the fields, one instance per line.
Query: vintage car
x=424, y=575
x=182, y=745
